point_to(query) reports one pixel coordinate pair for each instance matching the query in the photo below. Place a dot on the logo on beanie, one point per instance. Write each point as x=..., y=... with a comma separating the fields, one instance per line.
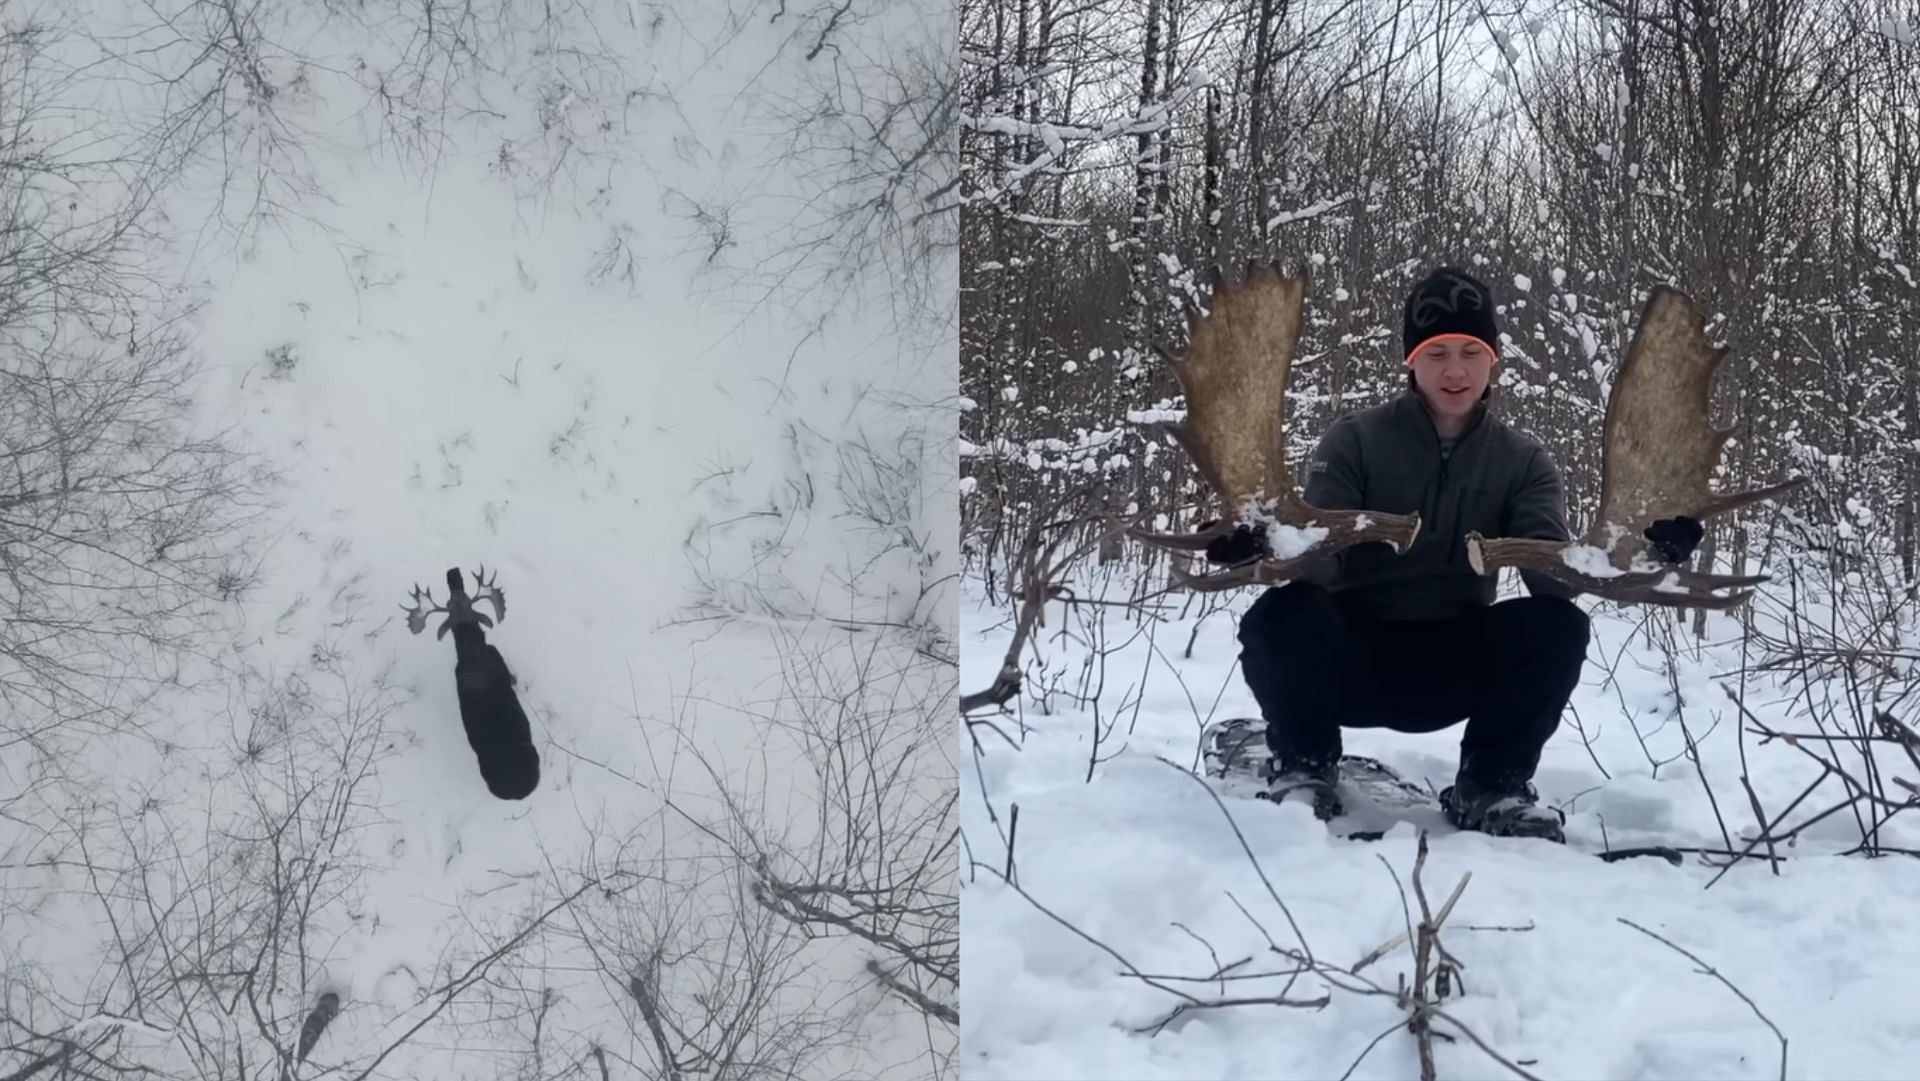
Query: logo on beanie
x=1449, y=301
x=1443, y=296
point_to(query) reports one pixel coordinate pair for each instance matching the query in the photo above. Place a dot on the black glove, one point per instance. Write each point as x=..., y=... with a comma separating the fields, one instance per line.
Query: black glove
x=1244, y=545
x=1675, y=538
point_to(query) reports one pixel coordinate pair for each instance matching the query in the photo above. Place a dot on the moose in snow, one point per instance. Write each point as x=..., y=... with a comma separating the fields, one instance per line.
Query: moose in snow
x=497, y=727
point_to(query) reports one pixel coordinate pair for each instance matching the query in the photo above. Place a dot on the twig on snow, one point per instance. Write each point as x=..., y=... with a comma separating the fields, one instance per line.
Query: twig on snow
x=1709, y=970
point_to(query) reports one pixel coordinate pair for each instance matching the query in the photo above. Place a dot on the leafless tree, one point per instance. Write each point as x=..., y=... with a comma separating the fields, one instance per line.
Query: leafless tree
x=863, y=853
x=842, y=196
x=219, y=927
x=706, y=983
x=232, y=96
x=125, y=527
x=854, y=845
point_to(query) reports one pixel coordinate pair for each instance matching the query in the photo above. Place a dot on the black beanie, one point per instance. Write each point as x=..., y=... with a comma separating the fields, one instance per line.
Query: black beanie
x=1449, y=301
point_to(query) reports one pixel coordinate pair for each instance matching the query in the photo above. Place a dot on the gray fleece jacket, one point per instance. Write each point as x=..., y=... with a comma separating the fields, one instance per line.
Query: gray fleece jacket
x=1389, y=458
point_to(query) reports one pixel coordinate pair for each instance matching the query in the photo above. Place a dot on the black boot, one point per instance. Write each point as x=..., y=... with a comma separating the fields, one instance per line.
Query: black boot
x=1312, y=780
x=1510, y=809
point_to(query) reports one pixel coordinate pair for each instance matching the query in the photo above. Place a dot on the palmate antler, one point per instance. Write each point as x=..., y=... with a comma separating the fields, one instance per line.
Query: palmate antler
x=1235, y=372
x=1658, y=451
x=459, y=606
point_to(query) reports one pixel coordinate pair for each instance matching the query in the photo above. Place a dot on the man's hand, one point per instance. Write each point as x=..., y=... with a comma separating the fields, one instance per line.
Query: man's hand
x=1675, y=538
x=1244, y=545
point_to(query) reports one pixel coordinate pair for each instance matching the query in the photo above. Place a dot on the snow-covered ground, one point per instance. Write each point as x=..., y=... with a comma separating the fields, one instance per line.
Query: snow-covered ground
x=1132, y=870
x=608, y=338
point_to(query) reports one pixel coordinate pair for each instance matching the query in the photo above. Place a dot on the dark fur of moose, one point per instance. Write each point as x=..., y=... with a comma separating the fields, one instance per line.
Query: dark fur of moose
x=497, y=727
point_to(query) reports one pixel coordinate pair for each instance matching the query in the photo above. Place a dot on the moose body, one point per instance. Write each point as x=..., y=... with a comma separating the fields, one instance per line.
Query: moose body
x=496, y=725
x=490, y=711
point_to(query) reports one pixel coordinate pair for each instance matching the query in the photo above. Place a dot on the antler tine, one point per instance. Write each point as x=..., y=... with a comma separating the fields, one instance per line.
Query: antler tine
x=1587, y=570
x=1726, y=504
x=417, y=614
x=1261, y=573
x=1234, y=373
x=1683, y=589
x=1658, y=452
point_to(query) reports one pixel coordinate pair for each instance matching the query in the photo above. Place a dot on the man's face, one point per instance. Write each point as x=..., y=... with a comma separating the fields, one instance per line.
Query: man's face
x=1452, y=372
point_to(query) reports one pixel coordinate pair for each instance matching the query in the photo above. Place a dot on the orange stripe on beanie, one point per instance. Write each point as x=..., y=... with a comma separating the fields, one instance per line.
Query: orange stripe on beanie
x=1453, y=338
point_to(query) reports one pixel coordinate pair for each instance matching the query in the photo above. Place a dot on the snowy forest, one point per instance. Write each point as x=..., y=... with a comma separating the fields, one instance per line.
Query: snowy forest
x=1125, y=913
x=641, y=315
x=1762, y=157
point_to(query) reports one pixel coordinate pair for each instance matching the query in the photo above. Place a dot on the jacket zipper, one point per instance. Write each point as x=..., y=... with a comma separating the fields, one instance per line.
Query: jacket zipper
x=1446, y=458
x=1446, y=462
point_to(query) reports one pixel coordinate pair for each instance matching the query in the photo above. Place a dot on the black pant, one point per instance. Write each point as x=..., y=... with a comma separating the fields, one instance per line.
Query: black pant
x=1506, y=669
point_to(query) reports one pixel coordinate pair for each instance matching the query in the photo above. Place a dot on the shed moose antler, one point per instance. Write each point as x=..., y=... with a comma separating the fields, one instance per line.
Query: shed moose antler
x=1658, y=451
x=1238, y=361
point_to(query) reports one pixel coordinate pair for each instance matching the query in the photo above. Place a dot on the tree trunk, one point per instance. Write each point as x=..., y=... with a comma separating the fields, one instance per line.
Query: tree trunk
x=1140, y=274
x=1257, y=108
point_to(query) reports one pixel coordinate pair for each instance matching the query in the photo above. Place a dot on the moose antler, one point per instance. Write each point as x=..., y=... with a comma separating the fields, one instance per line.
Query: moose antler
x=1658, y=452
x=459, y=606
x=418, y=613
x=486, y=591
x=1238, y=361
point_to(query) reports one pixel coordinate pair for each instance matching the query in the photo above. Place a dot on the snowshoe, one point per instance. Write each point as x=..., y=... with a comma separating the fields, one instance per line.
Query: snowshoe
x=1236, y=746
x=1359, y=798
x=1374, y=799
